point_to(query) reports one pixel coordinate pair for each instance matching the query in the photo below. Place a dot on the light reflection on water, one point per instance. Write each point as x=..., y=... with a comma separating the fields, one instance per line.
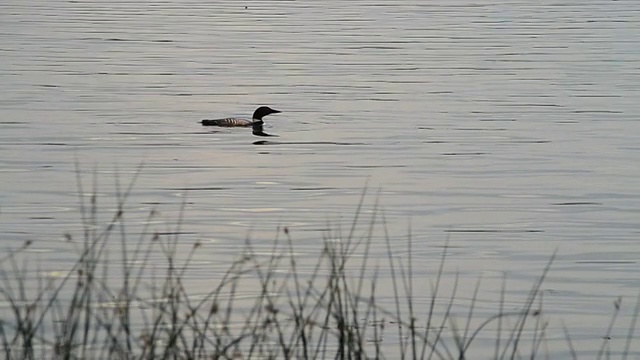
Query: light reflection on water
x=509, y=130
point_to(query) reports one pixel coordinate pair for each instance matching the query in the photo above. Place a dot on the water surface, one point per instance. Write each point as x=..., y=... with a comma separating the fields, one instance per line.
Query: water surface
x=509, y=129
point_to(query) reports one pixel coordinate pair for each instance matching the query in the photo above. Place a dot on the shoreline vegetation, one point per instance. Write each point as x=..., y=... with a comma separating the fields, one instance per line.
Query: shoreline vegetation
x=120, y=301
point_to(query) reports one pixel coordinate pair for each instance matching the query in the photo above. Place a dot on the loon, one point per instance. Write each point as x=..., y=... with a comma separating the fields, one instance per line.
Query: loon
x=256, y=122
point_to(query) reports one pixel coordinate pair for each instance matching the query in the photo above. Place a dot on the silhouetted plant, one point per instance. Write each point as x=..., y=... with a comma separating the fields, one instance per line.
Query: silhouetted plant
x=149, y=312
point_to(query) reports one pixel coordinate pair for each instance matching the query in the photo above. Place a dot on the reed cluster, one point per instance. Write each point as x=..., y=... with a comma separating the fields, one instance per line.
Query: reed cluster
x=120, y=301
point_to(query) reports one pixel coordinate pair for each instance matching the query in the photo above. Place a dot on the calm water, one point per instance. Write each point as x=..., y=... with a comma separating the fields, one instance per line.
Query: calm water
x=509, y=128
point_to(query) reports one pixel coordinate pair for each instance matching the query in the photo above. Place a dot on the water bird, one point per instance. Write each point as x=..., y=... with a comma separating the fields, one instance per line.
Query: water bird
x=256, y=121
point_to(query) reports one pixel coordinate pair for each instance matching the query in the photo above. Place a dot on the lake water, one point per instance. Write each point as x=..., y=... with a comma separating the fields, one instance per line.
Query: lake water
x=510, y=129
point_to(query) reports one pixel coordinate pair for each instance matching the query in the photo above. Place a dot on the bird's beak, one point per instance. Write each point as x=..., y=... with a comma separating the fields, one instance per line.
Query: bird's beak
x=275, y=111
